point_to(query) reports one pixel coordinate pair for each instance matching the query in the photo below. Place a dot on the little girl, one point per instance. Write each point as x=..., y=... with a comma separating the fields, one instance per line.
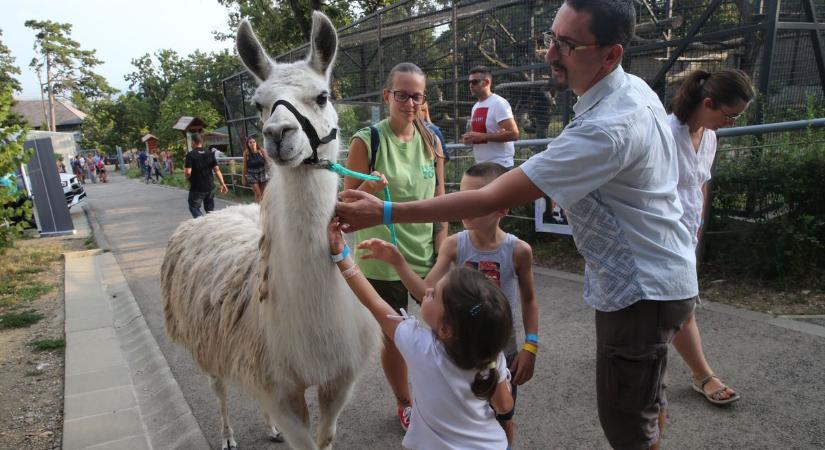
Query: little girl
x=456, y=367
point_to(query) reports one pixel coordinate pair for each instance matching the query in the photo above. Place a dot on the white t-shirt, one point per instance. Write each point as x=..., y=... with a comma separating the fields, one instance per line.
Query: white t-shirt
x=445, y=413
x=614, y=171
x=485, y=119
x=694, y=172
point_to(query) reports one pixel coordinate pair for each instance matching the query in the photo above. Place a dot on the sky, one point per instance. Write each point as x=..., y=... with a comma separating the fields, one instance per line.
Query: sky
x=119, y=30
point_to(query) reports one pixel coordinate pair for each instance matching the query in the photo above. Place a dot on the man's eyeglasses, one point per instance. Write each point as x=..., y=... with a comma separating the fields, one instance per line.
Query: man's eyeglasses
x=402, y=97
x=565, y=48
x=476, y=81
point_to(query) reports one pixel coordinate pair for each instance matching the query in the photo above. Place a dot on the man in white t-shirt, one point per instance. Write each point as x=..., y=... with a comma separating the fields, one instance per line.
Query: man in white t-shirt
x=491, y=129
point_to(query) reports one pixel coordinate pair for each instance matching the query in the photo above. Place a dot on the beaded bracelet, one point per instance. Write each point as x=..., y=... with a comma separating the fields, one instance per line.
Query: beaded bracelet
x=351, y=272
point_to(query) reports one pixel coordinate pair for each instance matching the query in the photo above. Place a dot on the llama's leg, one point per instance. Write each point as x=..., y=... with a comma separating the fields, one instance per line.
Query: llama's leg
x=274, y=433
x=331, y=398
x=290, y=413
x=227, y=435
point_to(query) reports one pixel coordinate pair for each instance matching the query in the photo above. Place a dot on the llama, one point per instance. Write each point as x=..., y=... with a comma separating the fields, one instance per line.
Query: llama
x=251, y=292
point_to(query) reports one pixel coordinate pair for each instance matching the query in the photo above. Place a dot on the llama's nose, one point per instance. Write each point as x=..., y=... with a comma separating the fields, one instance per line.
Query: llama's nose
x=277, y=131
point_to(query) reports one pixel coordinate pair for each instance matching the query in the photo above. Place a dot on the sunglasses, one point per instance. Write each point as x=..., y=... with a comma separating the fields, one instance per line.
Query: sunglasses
x=401, y=97
x=476, y=81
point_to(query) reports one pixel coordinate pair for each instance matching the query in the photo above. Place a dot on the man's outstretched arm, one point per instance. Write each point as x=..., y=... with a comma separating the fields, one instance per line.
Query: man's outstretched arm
x=358, y=210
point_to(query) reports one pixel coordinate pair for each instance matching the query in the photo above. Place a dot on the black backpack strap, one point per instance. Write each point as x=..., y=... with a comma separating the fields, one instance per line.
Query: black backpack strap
x=374, y=143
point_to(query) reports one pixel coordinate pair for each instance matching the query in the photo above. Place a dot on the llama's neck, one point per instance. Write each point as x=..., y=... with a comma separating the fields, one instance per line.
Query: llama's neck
x=298, y=205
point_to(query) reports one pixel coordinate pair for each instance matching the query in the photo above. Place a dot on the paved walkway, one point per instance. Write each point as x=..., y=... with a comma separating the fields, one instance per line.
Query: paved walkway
x=119, y=391
x=776, y=363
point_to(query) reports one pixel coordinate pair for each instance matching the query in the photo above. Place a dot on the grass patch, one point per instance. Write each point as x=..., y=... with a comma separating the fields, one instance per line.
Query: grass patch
x=90, y=242
x=44, y=345
x=19, y=320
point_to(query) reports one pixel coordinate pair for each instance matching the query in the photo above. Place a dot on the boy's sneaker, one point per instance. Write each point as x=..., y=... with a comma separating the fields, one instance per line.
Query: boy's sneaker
x=404, y=413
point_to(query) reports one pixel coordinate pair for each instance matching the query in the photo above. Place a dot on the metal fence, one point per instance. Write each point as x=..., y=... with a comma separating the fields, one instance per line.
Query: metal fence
x=778, y=42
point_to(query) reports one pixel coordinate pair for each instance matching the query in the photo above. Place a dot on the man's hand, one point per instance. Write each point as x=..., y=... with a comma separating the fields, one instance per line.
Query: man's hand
x=382, y=251
x=473, y=137
x=335, y=237
x=358, y=210
x=522, y=367
x=224, y=189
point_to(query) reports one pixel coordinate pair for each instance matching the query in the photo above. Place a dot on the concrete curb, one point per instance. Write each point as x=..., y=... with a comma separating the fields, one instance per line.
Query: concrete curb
x=786, y=322
x=119, y=392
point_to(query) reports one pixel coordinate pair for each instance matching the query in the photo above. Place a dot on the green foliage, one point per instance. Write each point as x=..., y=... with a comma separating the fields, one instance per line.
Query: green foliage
x=66, y=69
x=182, y=100
x=283, y=25
x=12, y=154
x=769, y=209
x=19, y=320
x=43, y=345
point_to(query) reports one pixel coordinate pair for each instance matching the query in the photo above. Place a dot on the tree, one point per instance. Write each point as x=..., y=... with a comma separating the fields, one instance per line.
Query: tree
x=12, y=154
x=67, y=68
x=182, y=101
x=274, y=21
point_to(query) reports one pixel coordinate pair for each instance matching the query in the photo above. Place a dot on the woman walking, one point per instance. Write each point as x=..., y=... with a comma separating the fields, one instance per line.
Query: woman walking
x=255, y=168
x=704, y=103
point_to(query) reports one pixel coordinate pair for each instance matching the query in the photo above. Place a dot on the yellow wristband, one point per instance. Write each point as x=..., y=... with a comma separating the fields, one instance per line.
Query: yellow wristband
x=530, y=347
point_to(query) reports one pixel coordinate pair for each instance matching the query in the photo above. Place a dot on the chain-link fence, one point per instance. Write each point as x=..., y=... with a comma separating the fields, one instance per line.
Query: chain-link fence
x=673, y=37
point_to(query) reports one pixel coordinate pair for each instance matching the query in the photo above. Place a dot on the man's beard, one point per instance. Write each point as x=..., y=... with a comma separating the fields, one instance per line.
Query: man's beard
x=560, y=85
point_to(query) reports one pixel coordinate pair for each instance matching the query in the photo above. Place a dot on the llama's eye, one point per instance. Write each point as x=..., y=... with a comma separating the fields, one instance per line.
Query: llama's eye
x=321, y=100
x=259, y=107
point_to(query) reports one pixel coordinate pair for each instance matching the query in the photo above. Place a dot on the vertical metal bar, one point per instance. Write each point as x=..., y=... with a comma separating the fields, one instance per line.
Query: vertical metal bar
x=454, y=18
x=659, y=83
x=816, y=40
x=771, y=18
x=380, y=52
x=227, y=114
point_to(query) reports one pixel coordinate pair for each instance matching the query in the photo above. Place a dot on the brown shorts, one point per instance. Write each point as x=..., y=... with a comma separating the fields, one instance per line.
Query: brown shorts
x=631, y=358
x=393, y=292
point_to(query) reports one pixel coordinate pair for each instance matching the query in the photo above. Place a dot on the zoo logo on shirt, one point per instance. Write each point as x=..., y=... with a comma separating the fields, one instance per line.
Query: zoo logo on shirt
x=427, y=171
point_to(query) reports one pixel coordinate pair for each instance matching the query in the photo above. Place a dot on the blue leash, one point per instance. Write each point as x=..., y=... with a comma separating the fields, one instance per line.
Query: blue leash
x=341, y=170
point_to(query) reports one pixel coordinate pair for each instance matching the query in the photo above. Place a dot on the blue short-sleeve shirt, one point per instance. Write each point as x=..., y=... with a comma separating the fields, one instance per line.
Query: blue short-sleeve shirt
x=614, y=170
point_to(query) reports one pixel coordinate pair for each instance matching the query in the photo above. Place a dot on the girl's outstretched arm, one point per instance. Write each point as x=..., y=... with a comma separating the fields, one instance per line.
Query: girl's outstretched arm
x=360, y=286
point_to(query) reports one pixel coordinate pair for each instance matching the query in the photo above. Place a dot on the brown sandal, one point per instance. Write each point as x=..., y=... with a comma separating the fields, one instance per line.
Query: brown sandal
x=713, y=397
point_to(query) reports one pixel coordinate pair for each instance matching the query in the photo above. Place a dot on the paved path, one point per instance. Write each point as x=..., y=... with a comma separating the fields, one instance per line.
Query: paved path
x=777, y=364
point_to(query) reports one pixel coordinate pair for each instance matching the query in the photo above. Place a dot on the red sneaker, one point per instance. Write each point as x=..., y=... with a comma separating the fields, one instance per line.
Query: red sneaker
x=404, y=413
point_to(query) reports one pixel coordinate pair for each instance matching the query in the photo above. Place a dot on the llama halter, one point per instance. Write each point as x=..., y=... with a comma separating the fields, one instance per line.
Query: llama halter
x=341, y=170
x=309, y=130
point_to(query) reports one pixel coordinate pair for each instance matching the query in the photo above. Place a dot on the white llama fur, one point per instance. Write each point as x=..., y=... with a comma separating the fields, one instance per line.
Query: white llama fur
x=251, y=292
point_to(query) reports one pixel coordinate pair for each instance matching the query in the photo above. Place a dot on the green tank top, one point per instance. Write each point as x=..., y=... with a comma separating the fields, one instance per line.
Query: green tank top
x=411, y=176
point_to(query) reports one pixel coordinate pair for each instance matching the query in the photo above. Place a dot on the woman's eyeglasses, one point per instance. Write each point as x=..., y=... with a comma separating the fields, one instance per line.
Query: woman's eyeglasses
x=402, y=97
x=564, y=48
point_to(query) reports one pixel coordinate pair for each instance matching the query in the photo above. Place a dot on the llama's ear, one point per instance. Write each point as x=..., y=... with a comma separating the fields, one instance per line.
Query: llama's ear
x=252, y=53
x=324, y=44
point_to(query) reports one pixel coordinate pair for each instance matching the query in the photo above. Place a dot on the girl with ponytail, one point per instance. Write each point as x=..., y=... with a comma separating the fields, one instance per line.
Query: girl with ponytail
x=704, y=103
x=456, y=366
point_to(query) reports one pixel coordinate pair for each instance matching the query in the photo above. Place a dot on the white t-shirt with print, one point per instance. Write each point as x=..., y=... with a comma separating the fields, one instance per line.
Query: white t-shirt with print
x=445, y=412
x=485, y=119
x=694, y=172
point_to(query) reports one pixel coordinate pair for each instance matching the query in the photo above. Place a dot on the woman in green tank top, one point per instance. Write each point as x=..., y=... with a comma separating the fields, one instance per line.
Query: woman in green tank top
x=410, y=160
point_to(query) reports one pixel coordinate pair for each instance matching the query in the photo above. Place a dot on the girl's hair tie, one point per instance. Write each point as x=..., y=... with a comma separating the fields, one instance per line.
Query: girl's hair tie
x=475, y=309
x=490, y=366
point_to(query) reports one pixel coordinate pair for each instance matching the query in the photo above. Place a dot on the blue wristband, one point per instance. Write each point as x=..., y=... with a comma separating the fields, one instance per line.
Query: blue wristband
x=340, y=256
x=532, y=338
x=387, y=213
